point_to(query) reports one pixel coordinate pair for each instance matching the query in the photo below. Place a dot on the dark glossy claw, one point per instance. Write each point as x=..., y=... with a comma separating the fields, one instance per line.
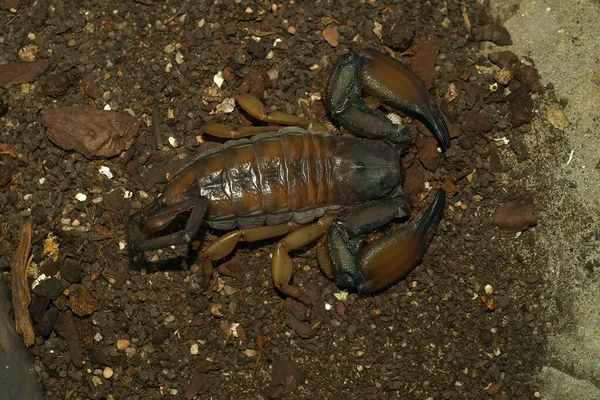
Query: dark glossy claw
x=394, y=256
x=375, y=266
x=388, y=80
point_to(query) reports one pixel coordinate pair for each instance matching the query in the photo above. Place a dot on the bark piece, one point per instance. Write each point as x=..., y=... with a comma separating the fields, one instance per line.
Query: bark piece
x=18, y=73
x=517, y=215
x=93, y=133
x=82, y=302
x=21, y=296
x=65, y=327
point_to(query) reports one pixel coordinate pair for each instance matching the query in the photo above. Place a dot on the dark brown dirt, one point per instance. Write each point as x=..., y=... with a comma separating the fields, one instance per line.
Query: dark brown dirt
x=106, y=329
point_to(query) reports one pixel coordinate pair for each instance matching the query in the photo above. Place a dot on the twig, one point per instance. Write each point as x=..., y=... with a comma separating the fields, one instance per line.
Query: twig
x=21, y=296
x=260, y=342
x=156, y=128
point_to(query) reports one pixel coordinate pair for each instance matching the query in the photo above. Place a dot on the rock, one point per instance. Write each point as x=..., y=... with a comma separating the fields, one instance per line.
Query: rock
x=234, y=268
x=485, y=336
x=107, y=373
x=50, y=288
x=495, y=161
x=503, y=58
x=285, y=377
x=503, y=76
x=414, y=179
x=521, y=111
x=82, y=302
x=198, y=382
x=331, y=35
x=122, y=344
x=55, y=85
x=91, y=132
x=295, y=312
x=517, y=215
x=398, y=34
x=476, y=122
x=66, y=328
x=557, y=118
x=114, y=200
x=494, y=33
x=71, y=271
x=45, y=325
x=427, y=152
x=423, y=63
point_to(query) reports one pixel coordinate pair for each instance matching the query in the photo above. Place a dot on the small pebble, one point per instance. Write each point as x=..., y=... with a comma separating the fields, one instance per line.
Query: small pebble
x=122, y=344
x=107, y=373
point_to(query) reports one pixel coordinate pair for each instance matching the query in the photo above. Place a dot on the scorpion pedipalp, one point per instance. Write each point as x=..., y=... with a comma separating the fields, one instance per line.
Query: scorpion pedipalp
x=380, y=264
x=390, y=81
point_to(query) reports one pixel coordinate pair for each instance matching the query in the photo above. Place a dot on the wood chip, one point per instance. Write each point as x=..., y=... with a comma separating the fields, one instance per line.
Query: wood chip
x=21, y=296
x=18, y=73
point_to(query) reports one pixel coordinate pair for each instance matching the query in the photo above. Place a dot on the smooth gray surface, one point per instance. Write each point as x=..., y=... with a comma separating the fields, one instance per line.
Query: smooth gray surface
x=562, y=37
x=18, y=379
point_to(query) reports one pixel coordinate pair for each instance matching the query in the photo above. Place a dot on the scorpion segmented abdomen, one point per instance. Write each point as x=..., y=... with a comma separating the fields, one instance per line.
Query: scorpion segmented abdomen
x=304, y=170
x=292, y=172
x=273, y=175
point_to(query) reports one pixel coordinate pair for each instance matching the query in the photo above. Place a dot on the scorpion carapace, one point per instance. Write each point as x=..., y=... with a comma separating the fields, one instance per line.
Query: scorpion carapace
x=278, y=183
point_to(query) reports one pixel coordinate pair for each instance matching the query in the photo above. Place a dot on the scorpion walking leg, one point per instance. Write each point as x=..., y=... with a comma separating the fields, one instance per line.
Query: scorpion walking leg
x=379, y=264
x=224, y=245
x=257, y=109
x=282, y=267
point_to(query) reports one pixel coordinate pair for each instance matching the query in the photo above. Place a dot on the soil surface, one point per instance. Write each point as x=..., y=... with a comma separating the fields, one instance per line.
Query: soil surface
x=464, y=324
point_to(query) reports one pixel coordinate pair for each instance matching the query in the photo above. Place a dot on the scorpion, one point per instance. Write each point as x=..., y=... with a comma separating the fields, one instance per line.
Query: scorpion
x=279, y=182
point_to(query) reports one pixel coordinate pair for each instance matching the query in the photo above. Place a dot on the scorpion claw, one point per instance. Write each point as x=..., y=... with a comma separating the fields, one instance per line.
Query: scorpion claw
x=394, y=256
x=389, y=80
x=375, y=266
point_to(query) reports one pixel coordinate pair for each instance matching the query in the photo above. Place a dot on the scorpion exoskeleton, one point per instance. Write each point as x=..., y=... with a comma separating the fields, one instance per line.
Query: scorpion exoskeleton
x=277, y=183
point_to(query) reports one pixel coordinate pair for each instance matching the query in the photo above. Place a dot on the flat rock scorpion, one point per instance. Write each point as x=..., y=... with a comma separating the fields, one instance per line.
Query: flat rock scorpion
x=278, y=183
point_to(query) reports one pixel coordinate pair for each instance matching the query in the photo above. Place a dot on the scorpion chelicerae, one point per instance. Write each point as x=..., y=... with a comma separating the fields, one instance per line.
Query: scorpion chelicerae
x=278, y=183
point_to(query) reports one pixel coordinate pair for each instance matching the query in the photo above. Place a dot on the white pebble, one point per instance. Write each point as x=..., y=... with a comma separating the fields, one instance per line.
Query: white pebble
x=104, y=170
x=81, y=196
x=341, y=296
x=218, y=78
x=179, y=58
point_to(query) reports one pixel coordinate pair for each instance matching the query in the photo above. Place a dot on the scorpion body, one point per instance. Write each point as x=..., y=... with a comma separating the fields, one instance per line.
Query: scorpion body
x=295, y=175
x=276, y=183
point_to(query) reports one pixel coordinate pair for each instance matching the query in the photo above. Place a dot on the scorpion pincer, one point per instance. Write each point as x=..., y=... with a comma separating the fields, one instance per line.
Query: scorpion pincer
x=278, y=183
